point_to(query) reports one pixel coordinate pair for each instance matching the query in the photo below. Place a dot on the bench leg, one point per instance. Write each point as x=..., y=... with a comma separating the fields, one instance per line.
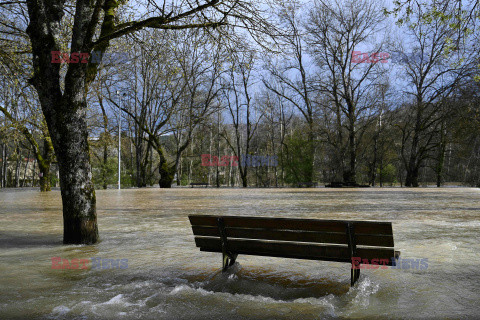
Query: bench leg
x=228, y=260
x=354, y=275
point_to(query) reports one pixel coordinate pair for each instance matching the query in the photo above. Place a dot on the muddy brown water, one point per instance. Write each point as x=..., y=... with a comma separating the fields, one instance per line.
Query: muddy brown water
x=167, y=277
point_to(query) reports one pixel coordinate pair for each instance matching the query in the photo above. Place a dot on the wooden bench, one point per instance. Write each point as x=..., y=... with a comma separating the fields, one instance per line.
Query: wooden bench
x=365, y=242
x=307, y=184
x=199, y=184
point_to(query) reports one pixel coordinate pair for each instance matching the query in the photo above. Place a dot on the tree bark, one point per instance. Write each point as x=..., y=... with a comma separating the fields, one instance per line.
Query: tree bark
x=166, y=175
x=412, y=176
x=78, y=192
x=65, y=113
x=166, y=172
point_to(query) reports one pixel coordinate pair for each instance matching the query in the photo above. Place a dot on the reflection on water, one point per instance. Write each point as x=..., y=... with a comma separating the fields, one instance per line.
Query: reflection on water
x=169, y=278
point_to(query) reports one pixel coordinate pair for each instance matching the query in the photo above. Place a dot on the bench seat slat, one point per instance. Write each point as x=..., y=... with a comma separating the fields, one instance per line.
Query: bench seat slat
x=337, y=253
x=294, y=235
x=278, y=249
x=361, y=227
x=374, y=240
x=270, y=234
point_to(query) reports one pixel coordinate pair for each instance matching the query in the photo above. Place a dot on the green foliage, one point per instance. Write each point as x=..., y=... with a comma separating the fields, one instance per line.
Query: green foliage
x=53, y=179
x=297, y=160
x=110, y=170
x=388, y=174
x=126, y=179
x=184, y=179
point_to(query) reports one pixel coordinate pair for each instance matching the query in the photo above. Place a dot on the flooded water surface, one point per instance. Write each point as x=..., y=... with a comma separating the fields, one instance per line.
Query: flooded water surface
x=160, y=274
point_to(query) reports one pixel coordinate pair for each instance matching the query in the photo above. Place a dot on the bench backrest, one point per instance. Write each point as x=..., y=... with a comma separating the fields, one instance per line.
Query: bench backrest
x=331, y=240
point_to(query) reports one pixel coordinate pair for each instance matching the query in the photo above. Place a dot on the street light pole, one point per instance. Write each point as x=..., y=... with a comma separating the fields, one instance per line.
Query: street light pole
x=119, y=138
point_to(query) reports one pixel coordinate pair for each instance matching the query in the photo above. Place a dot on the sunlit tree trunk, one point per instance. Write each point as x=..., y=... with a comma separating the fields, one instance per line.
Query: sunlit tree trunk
x=65, y=114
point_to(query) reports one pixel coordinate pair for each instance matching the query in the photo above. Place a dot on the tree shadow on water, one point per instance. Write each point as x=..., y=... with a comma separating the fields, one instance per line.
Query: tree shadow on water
x=12, y=240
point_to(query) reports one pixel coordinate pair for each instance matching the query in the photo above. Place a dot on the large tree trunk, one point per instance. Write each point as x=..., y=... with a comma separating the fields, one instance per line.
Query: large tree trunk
x=412, y=175
x=166, y=175
x=78, y=192
x=166, y=172
x=244, y=179
x=65, y=114
x=69, y=135
x=412, y=178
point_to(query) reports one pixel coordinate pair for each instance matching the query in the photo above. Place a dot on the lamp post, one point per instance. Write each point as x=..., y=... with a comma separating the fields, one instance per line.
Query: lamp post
x=119, y=138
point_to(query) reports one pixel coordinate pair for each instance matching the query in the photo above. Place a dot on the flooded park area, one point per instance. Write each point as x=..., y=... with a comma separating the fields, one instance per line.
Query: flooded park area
x=161, y=274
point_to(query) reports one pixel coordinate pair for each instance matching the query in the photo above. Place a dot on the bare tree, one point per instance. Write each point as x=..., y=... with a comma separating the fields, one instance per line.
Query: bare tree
x=431, y=76
x=237, y=95
x=200, y=63
x=294, y=82
x=335, y=29
x=177, y=92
